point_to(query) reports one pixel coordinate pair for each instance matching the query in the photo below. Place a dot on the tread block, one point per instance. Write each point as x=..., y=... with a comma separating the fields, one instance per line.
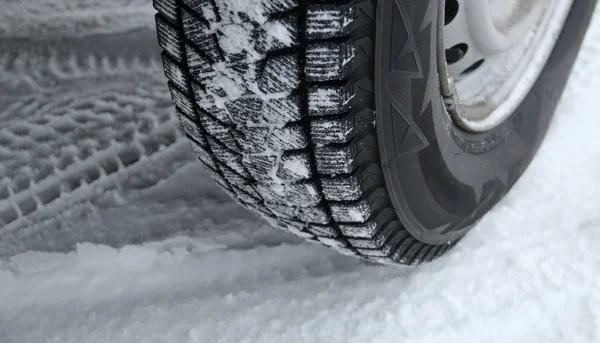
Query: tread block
x=282, y=210
x=359, y=211
x=200, y=66
x=170, y=39
x=255, y=140
x=175, y=73
x=247, y=197
x=406, y=243
x=301, y=195
x=206, y=9
x=240, y=182
x=237, y=180
x=322, y=230
x=189, y=126
x=351, y=187
x=182, y=101
x=413, y=252
x=280, y=75
x=228, y=157
x=293, y=223
x=314, y=215
x=207, y=102
x=263, y=168
x=328, y=21
x=200, y=35
x=275, y=6
x=168, y=8
x=378, y=240
x=327, y=61
x=281, y=111
x=431, y=253
x=325, y=21
x=342, y=188
x=247, y=112
x=306, y=215
x=202, y=154
x=331, y=100
x=370, y=228
x=256, y=112
x=218, y=130
x=332, y=130
x=295, y=167
x=232, y=80
x=334, y=160
x=277, y=34
x=422, y=255
x=387, y=249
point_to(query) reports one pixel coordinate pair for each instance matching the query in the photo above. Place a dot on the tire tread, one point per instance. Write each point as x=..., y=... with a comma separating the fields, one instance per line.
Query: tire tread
x=298, y=144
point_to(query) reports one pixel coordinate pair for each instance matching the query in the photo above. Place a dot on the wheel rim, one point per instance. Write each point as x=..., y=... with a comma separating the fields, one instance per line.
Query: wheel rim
x=492, y=52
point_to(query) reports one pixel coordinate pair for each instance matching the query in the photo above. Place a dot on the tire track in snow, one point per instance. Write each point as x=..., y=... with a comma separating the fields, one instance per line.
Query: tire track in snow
x=76, y=114
x=166, y=194
x=206, y=283
x=74, y=18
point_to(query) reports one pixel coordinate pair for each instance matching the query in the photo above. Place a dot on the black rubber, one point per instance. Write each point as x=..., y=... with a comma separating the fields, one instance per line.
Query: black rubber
x=285, y=118
x=441, y=178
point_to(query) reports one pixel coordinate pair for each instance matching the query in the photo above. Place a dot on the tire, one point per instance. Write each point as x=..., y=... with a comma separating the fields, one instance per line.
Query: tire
x=289, y=106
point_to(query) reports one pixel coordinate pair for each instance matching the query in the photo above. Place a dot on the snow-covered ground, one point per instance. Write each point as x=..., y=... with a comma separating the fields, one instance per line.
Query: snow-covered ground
x=149, y=250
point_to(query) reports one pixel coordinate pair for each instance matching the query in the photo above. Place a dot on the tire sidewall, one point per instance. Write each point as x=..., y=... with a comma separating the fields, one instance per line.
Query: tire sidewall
x=441, y=178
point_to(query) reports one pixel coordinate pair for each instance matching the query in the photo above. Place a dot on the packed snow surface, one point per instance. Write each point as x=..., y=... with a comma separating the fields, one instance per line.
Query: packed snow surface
x=44, y=18
x=152, y=251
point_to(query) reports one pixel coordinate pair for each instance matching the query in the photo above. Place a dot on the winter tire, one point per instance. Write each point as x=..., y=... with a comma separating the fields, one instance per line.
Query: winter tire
x=384, y=129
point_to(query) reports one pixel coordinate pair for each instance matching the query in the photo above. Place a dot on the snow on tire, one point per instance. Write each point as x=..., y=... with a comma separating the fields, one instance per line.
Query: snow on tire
x=278, y=99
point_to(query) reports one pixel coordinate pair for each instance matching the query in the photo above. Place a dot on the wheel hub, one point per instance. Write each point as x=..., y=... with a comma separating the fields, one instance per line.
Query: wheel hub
x=493, y=51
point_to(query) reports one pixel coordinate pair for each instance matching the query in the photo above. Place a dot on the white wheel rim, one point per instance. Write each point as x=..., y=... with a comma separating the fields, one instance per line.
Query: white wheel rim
x=514, y=39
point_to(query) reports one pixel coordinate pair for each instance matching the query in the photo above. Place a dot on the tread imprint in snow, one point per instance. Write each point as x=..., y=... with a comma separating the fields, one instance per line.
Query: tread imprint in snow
x=276, y=97
x=42, y=173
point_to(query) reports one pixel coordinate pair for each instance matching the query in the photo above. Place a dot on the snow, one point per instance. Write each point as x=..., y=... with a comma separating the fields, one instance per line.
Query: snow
x=156, y=253
x=324, y=98
x=280, y=32
x=46, y=18
x=298, y=167
x=356, y=215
